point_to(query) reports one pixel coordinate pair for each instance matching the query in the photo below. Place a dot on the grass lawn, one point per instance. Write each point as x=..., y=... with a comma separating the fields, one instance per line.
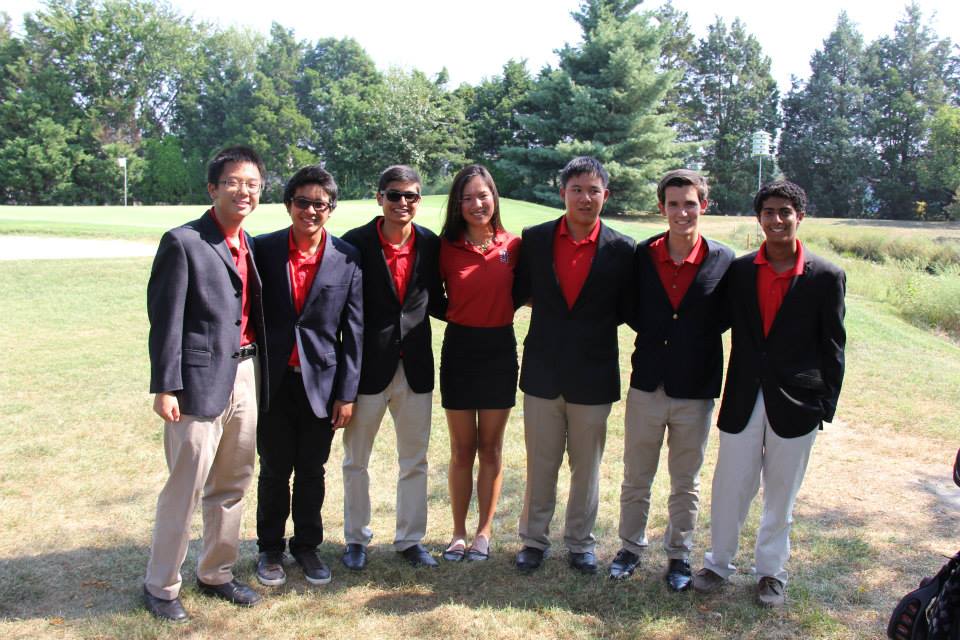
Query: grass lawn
x=81, y=463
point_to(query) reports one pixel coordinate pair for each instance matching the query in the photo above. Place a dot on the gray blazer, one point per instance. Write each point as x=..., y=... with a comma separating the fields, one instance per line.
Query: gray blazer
x=193, y=303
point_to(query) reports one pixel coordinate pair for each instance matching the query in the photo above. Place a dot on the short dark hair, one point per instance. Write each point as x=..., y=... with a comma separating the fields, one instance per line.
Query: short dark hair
x=237, y=153
x=311, y=174
x=581, y=165
x=398, y=173
x=781, y=189
x=682, y=178
x=453, y=223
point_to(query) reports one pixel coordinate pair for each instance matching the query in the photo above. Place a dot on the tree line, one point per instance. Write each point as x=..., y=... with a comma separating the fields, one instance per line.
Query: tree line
x=873, y=132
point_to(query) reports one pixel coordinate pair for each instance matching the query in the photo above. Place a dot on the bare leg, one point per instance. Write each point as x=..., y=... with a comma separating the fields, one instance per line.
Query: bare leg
x=462, y=425
x=491, y=425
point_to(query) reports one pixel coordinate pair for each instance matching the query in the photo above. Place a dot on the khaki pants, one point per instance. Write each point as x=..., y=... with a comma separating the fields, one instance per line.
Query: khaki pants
x=411, y=418
x=687, y=424
x=549, y=428
x=744, y=459
x=210, y=460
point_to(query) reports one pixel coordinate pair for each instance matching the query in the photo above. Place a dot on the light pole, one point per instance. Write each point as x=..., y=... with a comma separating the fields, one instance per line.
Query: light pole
x=759, y=148
x=123, y=163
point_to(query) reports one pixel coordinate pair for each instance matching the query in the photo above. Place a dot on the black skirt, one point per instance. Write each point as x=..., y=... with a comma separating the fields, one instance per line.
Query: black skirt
x=478, y=367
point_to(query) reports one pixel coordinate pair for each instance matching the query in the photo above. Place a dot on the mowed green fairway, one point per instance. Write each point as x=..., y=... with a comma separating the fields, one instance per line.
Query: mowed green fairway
x=81, y=463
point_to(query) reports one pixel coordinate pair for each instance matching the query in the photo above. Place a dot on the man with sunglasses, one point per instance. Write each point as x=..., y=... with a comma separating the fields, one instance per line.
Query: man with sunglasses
x=401, y=285
x=313, y=306
x=206, y=333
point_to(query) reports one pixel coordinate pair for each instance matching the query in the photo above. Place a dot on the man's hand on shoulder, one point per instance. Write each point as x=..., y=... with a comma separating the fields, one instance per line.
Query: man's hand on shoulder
x=167, y=406
x=342, y=412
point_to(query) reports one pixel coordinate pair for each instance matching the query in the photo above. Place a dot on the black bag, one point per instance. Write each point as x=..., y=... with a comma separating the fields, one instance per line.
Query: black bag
x=931, y=612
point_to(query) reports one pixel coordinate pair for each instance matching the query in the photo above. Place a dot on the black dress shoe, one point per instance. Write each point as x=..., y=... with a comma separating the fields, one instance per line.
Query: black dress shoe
x=418, y=556
x=170, y=610
x=530, y=558
x=679, y=576
x=233, y=591
x=354, y=556
x=624, y=564
x=584, y=562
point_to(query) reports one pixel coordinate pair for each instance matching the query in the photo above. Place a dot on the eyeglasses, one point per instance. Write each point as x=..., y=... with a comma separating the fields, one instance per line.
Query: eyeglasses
x=232, y=184
x=394, y=196
x=320, y=206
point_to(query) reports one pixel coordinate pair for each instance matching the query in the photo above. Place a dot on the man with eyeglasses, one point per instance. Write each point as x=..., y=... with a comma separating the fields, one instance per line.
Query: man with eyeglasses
x=401, y=285
x=313, y=306
x=206, y=334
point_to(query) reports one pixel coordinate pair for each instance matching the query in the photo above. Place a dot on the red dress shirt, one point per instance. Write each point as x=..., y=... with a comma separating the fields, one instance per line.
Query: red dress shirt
x=676, y=278
x=479, y=284
x=399, y=261
x=572, y=259
x=303, y=269
x=772, y=287
x=241, y=257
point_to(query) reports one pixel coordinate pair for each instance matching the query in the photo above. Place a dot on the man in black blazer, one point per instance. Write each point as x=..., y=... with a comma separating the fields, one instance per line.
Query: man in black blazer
x=786, y=308
x=677, y=366
x=401, y=285
x=206, y=330
x=577, y=274
x=313, y=306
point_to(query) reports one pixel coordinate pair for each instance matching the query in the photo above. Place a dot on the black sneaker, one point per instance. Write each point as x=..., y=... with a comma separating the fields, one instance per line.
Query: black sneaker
x=270, y=571
x=315, y=570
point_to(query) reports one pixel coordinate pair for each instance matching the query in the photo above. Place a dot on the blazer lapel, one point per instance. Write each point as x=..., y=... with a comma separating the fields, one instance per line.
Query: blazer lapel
x=329, y=266
x=790, y=299
x=212, y=234
x=603, y=238
x=753, y=303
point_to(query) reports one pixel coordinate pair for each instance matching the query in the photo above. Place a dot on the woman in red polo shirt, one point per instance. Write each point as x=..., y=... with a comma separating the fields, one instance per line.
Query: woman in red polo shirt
x=478, y=361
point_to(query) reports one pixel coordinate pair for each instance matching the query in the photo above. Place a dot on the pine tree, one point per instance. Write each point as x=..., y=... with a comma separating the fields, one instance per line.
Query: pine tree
x=735, y=96
x=823, y=146
x=602, y=101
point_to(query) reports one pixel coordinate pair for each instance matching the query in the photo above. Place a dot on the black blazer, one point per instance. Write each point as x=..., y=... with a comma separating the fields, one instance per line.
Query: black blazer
x=390, y=328
x=193, y=303
x=681, y=349
x=574, y=352
x=800, y=364
x=328, y=333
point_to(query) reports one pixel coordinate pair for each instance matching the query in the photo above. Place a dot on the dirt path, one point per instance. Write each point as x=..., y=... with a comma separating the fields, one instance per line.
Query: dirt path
x=892, y=492
x=16, y=247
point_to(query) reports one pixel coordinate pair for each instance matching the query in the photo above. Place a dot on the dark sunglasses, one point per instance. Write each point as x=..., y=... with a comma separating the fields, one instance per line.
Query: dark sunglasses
x=394, y=196
x=319, y=206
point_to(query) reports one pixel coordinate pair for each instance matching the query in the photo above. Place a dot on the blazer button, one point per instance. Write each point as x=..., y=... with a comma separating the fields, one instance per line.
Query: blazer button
x=675, y=316
x=236, y=294
x=238, y=323
x=666, y=342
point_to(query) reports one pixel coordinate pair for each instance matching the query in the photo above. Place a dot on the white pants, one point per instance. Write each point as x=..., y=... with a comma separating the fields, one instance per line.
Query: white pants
x=744, y=459
x=411, y=418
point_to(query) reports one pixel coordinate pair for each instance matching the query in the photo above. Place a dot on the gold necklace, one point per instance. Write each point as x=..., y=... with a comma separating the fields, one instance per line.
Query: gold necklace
x=482, y=245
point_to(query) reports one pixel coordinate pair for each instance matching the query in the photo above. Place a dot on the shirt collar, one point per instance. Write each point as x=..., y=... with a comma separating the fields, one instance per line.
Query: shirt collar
x=297, y=255
x=661, y=248
x=230, y=245
x=388, y=246
x=797, y=270
x=564, y=231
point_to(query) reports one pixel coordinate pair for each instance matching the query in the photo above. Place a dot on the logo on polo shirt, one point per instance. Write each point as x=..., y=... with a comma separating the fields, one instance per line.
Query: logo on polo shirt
x=504, y=256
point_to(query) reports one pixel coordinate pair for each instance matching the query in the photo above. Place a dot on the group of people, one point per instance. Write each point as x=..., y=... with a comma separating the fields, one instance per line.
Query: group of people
x=269, y=345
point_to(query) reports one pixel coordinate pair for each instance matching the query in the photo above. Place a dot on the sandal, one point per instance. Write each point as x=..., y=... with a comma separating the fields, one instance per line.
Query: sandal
x=455, y=552
x=479, y=552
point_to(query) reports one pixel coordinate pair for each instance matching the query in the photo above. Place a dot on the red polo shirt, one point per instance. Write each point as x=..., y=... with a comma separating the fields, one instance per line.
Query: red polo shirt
x=479, y=284
x=572, y=259
x=303, y=270
x=241, y=257
x=399, y=260
x=772, y=287
x=676, y=278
